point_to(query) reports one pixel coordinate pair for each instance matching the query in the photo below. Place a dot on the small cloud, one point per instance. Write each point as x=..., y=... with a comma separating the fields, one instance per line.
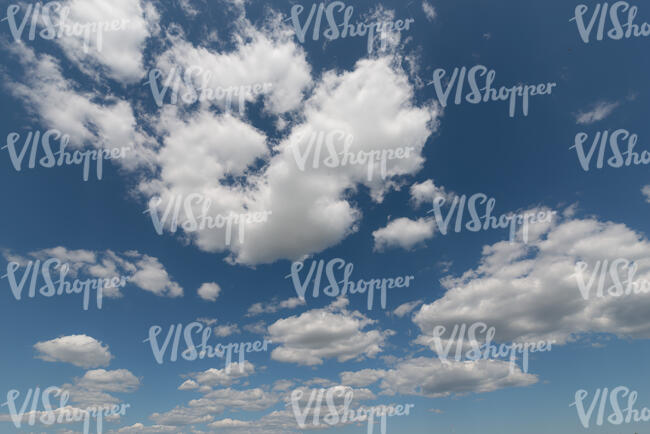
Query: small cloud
x=429, y=10
x=404, y=233
x=226, y=330
x=597, y=113
x=209, y=291
x=188, y=385
x=274, y=306
x=258, y=328
x=207, y=321
x=406, y=308
x=646, y=192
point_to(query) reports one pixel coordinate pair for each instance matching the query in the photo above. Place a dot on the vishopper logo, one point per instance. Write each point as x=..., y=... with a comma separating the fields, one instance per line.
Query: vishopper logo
x=616, y=12
x=196, y=84
x=192, y=352
x=486, y=93
x=619, y=415
x=206, y=219
x=57, y=25
x=486, y=221
x=482, y=348
x=341, y=413
x=379, y=29
x=600, y=141
x=62, y=414
x=49, y=160
x=346, y=285
x=303, y=146
x=621, y=272
x=77, y=286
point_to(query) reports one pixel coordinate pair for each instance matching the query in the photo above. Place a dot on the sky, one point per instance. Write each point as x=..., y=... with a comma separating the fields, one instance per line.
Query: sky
x=255, y=157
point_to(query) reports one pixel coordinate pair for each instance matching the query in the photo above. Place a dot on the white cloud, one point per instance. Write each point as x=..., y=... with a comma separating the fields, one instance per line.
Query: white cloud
x=325, y=333
x=226, y=330
x=152, y=276
x=209, y=291
x=258, y=328
x=275, y=305
x=598, y=112
x=529, y=292
x=223, y=377
x=142, y=270
x=364, y=377
x=119, y=380
x=188, y=385
x=267, y=56
x=138, y=428
x=429, y=10
x=103, y=121
x=430, y=377
x=207, y=321
x=406, y=308
x=79, y=350
x=214, y=402
x=121, y=50
x=645, y=190
x=310, y=210
x=403, y=232
x=426, y=192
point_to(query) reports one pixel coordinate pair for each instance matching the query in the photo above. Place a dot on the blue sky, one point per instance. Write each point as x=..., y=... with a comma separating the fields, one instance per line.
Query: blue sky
x=245, y=163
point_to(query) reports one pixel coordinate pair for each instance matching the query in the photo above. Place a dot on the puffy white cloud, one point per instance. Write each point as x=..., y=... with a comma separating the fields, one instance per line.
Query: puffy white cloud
x=364, y=377
x=79, y=350
x=406, y=308
x=139, y=428
x=259, y=57
x=188, y=385
x=249, y=400
x=426, y=192
x=258, y=328
x=275, y=305
x=530, y=292
x=226, y=330
x=117, y=52
x=332, y=332
x=152, y=276
x=224, y=377
x=646, y=192
x=90, y=390
x=276, y=422
x=179, y=416
x=432, y=378
x=87, y=118
x=119, y=380
x=214, y=402
x=209, y=291
x=312, y=209
x=144, y=271
x=429, y=10
x=403, y=232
